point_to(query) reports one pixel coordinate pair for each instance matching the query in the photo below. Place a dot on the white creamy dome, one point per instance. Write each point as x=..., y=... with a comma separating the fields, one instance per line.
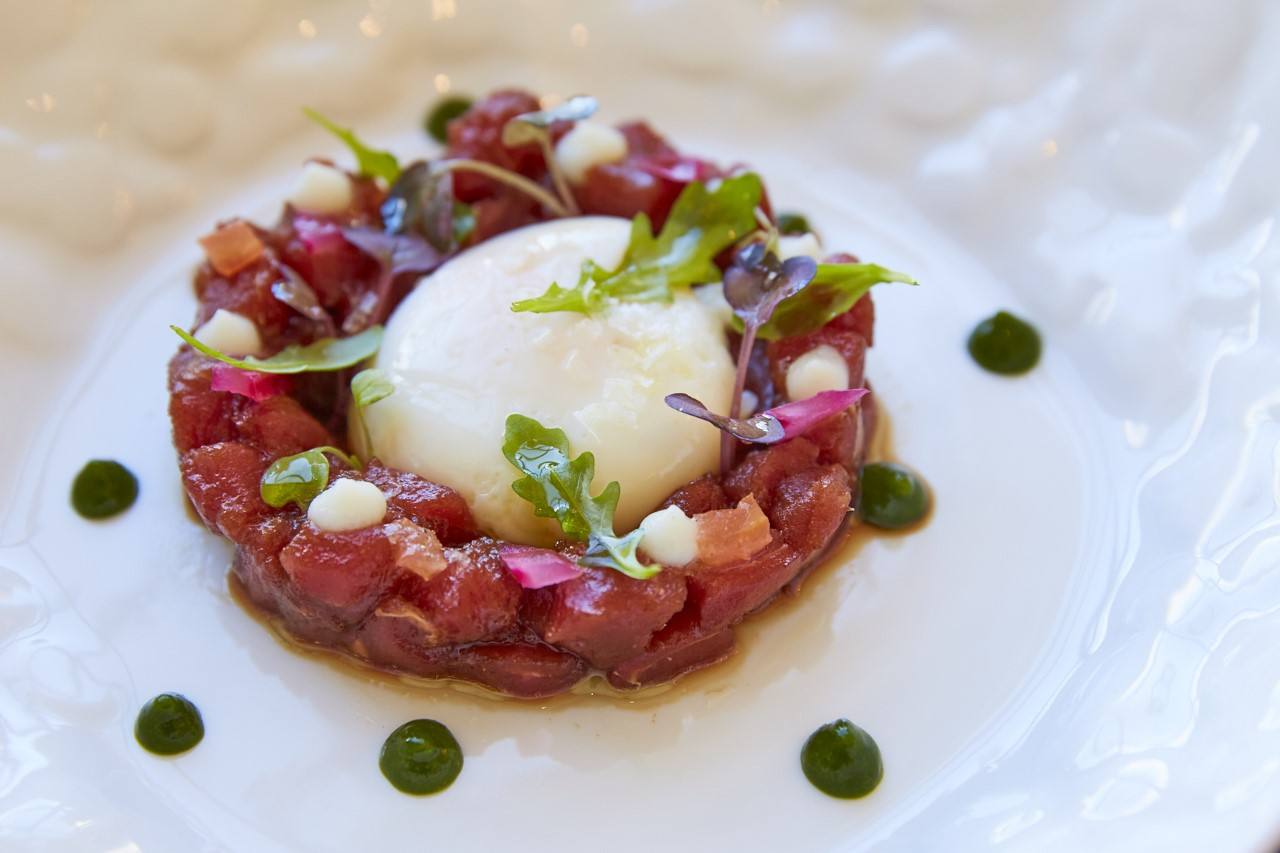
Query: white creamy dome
x=461, y=361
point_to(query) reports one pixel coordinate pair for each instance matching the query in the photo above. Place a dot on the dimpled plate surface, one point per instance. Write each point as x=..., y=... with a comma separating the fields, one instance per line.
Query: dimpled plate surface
x=1079, y=651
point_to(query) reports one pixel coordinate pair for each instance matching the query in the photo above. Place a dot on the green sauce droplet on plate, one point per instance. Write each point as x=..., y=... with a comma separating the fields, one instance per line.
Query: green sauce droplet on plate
x=103, y=488
x=445, y=111
x=892, y=496
x=1005, y=344
x=421, y=757
x=792, y=223
x=842, y=760
x=169, y=724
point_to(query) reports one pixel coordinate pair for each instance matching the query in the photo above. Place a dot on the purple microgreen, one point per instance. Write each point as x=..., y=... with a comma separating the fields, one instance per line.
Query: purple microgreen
x=535, y=127
x=292, y=290
x=422, y=202
x=397, y=255
x=781, y=423
x=760, y=428
x=754, y=284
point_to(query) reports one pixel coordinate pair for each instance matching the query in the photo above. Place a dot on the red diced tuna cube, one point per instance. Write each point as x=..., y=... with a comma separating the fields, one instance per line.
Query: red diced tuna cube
x=346, y=572
x=603, y=615
x=722, y=595
x=702, y=495
x=222, y=481
x=280, y=426
x=472, y=599
x=675, y=651
x=810, y=506
x=760, y=471
x=425, y=503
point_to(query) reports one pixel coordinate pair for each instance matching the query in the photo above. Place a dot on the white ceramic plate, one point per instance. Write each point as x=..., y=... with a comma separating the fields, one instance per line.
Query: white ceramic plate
x=1080, y=651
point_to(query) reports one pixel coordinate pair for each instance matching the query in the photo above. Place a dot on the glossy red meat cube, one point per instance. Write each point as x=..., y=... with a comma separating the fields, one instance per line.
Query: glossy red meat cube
x=472, y=599
x=809, y=507
x=344, y=572
x=603, y=615
x=425, y=503
x=721, y=595
x=222, y=481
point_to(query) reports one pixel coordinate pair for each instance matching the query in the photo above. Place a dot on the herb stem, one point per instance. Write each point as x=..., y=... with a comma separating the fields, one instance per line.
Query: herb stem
x=557, y=175
x=739, y=385
x=504, y=176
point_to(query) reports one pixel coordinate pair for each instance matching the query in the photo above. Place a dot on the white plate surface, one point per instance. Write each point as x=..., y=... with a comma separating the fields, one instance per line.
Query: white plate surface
x=1078, y=652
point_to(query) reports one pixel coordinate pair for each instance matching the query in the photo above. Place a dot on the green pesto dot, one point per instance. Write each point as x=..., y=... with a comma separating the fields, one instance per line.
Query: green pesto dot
x=103, y=488
x=169, y=724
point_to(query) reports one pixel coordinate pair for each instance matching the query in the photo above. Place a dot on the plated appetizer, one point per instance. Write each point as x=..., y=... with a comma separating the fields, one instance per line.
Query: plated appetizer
x=563, y=402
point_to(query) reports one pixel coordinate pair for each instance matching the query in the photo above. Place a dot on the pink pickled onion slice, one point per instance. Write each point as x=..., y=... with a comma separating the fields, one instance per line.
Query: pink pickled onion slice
x=248, y=383
x=319, y=238
x=803, y=415
x=679, y=169
x=534, y=568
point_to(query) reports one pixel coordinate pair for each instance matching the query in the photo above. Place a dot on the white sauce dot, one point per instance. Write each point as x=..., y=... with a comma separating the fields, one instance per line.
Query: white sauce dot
x=588, y=144
x=822, y=368
x=321, y=189
x=670, y=536
x=230, y=333
x=799, y=245
x=712, y=297
x=347, y=505
x=749, y=403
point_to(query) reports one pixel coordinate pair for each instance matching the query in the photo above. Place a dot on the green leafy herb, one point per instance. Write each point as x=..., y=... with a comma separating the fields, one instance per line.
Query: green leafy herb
x=368, y=387
x=298, y=479
x=324, y=355
x=833, y=291
x=791, y=223
x=372, y=162
x=702, y=223
x=445, y=111
x=560, y=487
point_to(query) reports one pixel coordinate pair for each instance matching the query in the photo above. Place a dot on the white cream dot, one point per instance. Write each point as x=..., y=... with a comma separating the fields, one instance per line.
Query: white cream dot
x=670, y=536
x=230, y=334
x=822, y=368
x=347, y=505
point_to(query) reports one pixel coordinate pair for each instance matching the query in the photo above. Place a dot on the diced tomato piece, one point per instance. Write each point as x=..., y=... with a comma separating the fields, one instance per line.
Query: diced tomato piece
x=232, y=247
x=732, y=535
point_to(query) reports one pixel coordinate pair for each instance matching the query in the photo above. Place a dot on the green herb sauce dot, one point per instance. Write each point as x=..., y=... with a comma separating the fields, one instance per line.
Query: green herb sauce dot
x=892, y=496
x=445, y=111
x=793, y=223
x=1005, y=344
x=169, y=724
x=421, y=757
x=103, y=488
x=842, y=760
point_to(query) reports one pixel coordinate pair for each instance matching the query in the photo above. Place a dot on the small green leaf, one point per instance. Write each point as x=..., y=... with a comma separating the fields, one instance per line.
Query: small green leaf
x=324, y=355
x=298, y=479
x=372, y=162
x=559, y=487
x=370, y=386
x=702, y=223
x=833, y=291
x=444, y=111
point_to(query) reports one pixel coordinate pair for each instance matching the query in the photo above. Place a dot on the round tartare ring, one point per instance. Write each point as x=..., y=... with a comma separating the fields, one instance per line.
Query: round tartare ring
x=278, y=431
